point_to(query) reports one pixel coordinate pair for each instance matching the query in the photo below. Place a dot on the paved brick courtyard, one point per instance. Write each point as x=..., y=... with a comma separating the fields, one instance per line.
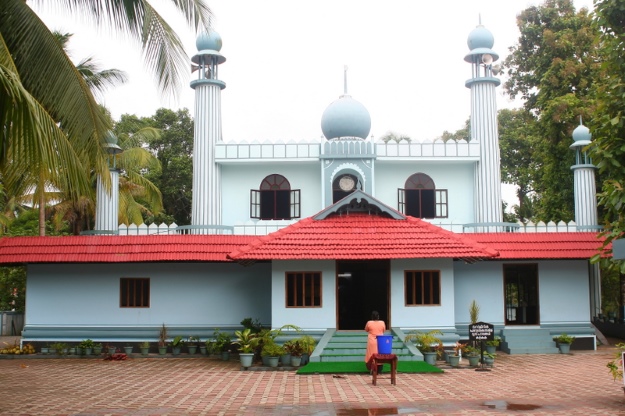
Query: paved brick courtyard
x=576, y=384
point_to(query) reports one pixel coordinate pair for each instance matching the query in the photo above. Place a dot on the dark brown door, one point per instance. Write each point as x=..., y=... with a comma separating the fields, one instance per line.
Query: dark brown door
x=362, y=287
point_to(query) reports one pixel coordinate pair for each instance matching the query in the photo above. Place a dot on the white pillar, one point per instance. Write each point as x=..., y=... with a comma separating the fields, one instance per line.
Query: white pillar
x=206, y=206
x=107, y=204
x=585, y=195
x=484, y=129
x=484, y=126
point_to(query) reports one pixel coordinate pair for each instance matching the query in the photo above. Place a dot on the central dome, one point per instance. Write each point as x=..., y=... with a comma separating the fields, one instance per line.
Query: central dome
x=345, y=117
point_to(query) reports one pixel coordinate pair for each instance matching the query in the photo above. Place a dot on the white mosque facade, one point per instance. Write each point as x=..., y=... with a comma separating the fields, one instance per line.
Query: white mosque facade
x=320, y=234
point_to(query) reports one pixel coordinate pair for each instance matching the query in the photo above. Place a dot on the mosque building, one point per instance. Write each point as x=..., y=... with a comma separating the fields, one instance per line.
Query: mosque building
x=320, y=234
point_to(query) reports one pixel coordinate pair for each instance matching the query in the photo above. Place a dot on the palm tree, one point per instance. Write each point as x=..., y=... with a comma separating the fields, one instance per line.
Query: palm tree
x=50, y=122
x=137, y=195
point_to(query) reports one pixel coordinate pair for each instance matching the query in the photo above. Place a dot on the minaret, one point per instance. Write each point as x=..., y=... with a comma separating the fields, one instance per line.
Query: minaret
x=206, y=208
x=585, y=196
x=584, y=179
x=107, y=203
x=488, y=208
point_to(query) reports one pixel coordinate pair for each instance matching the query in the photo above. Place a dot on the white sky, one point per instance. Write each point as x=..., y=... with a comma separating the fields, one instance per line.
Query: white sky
x=285, y=62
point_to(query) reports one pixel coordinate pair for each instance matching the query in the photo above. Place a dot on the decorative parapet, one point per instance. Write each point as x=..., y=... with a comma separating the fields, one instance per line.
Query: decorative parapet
x=345, y=149
x=266, y=227
x=231, y=152
x=143, y=229
x=428, y=149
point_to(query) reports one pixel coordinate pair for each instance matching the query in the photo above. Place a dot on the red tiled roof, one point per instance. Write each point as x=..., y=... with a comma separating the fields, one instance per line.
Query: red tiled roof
x=355, y=236
x=361, y=236
x=579, y=245
x=119, y=249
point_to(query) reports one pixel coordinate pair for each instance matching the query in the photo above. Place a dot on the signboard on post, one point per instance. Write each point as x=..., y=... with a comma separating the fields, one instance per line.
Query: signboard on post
x=481, y=331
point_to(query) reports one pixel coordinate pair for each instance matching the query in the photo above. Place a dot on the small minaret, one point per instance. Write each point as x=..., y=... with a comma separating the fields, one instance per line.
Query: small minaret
x=206, y=207
x=585, y=196
x=484, y=130
x=107, y=203
x=584, y=179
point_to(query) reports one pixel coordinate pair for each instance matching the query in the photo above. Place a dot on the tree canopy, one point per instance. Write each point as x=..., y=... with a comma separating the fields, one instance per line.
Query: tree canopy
x=52, y=126
x=553, y=68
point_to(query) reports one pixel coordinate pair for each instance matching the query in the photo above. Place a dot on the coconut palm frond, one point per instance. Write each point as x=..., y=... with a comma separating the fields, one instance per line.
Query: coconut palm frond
x=99, y=80
x=163, y=51
x=33, y=140
x=50, y=77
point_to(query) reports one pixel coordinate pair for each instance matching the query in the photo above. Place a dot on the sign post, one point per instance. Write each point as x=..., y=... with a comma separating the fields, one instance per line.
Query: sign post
x=481, y=331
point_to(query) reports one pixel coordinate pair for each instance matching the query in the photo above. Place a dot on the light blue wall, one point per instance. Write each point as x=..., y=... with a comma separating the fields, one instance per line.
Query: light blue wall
x=306, y=318
x=410, y=317
x=482, y=282
x=181, y=294
x=239, y=179
x=457, y=178
x=563, y=291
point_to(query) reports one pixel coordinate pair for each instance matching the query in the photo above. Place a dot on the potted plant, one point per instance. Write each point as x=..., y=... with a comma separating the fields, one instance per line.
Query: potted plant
x=489, y=358
x=192, y=344
x=472, y=354
x=273, y=352
x=128, y=349
x=87, y=346
x=263, y=336
x=454, y=359
x=204, y=347
x=222, y=344
x=176, y=344
x=97, y=348
x=296, y=349
x=308, y=345
x=60, y=348
x=426, y=342
x=144, y=347
x=564, y=342
x=246, y=342
x=111, y=349
x=162, y=340
x=491, y=346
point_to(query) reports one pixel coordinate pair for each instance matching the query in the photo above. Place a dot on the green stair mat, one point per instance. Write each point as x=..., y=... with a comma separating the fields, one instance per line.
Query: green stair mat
x=360, y=367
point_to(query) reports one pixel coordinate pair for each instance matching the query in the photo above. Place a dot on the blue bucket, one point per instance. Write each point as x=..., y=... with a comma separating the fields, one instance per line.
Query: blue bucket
x=385, y=344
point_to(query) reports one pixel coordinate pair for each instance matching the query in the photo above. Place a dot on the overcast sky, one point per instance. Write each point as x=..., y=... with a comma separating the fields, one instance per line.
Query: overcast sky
x=285, y=61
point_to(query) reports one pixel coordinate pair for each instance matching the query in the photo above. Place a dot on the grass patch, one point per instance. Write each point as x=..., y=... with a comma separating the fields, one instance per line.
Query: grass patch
x=343, y=367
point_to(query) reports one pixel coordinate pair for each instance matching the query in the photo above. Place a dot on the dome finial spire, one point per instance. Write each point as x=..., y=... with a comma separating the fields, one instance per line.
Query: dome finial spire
x=344, y=79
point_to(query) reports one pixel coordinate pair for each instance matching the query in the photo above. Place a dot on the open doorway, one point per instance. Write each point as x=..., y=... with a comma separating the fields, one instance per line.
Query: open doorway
x=521, y=292
x=362, y=287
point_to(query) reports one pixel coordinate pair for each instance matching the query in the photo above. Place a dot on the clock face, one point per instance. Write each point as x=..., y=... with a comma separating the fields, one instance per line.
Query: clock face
x=346, y=183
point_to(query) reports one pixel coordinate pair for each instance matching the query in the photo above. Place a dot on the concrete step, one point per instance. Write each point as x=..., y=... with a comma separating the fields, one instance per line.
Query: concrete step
x=352, y=346
x=527, y=341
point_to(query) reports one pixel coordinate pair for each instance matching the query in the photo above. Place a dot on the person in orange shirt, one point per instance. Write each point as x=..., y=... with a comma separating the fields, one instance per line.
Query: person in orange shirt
x=374, y=327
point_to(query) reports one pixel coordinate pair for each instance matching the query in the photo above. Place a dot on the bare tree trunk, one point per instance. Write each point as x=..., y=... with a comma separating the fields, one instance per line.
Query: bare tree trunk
x=42, y=214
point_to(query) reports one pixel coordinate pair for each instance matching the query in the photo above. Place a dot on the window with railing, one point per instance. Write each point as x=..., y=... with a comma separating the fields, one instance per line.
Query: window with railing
x=303, y=289
x=134, y=292
x=275, y=200
x=422, y=287
x=421, y=199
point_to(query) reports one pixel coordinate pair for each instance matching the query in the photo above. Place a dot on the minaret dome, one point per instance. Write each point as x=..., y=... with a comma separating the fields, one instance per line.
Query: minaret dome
x=210, y=41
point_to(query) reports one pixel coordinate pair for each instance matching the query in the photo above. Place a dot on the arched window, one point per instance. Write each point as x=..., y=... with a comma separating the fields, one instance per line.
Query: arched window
x=275, y=200
x=421, y=199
